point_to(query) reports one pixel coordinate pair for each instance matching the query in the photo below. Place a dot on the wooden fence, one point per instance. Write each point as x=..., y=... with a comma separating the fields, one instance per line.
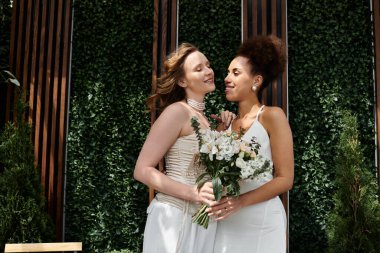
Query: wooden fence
x=40, y=50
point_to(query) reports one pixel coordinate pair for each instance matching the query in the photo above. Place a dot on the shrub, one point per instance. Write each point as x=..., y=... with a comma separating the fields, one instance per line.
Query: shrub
x=22, y=205
x=354, y=223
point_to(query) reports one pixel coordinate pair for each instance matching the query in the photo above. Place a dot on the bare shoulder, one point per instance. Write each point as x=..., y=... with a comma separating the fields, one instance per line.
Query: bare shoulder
x=273, y=114
x=273, y=118
x=176, y=111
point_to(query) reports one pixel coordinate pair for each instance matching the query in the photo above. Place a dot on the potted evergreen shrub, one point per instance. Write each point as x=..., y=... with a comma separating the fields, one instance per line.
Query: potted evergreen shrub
x=354, y=223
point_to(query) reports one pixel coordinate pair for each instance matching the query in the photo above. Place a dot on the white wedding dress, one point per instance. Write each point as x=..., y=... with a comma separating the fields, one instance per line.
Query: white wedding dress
x=169, y=228
x=259, y=228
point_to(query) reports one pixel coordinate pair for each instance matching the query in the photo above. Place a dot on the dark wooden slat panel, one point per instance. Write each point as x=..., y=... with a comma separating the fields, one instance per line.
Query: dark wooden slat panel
x=41, y=80
x=173, y=26
x=154, y=67
x=376, y=19
x=254, y=19
x=284, y=38
x=17, y=64
x=46, y=148
x=40, y=56
x=53, y=170
x=274, y=16
x=244, y=11
x=273, y=29
x=34, y=63
x=10, y=90
x=264, y=17
x=64, y=98
x=164, y=31
x=28, y=28
x=164, y=40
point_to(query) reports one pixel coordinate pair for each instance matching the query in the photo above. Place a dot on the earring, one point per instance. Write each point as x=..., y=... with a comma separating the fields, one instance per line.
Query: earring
x=254, y=88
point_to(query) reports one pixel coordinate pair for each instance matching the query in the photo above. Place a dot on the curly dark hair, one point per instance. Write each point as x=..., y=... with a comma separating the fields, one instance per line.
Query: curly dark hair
x=267, y=56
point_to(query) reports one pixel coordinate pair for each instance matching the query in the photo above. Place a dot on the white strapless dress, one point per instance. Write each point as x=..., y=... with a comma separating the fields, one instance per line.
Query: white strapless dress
x=259, y=228
x=169, y=228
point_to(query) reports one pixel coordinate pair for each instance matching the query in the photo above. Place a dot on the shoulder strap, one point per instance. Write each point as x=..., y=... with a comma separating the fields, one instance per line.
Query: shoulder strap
x=259, y=112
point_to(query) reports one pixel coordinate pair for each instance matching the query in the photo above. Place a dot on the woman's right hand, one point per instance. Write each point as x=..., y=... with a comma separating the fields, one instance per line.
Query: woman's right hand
x=225, y=119
x=205, y=194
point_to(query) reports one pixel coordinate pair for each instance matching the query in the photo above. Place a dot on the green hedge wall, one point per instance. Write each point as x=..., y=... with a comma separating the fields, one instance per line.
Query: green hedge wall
x=330, y=70
x=111, y=77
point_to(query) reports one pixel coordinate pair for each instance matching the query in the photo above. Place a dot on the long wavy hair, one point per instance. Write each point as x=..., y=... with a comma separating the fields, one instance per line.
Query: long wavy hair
x=168, y=91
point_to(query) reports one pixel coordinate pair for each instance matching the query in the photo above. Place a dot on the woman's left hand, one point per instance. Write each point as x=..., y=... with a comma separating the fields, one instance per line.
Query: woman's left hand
x=224, y=208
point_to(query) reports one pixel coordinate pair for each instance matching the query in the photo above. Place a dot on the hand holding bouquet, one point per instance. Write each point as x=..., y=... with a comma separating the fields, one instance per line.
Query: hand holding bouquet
x=228, y=159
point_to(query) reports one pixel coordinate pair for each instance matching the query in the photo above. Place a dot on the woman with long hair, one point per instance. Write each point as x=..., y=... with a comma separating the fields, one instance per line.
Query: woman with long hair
x=187, y=78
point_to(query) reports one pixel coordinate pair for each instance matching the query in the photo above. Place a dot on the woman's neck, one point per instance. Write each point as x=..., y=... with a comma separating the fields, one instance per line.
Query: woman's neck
x=247, y=108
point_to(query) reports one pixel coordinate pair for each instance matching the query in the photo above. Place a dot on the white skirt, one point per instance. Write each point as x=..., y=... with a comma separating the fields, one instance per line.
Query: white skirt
x=259, y=228
x=169, y=229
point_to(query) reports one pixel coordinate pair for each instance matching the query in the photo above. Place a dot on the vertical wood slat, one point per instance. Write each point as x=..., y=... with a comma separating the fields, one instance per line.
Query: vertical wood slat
x=20, y=35
x=376, y=20
x=28, y=27
x=273, y=29
x=40, y=55
x=164, y=40
x=10, y=90
x=173, y=27
x=34, y=63
x=53, y=172
x=64, y=104
x=254, y=19
x=38, y=123
x=156, y=16
x=244, y=17
x=46, y=114
x=164, y=29
x=283, y=34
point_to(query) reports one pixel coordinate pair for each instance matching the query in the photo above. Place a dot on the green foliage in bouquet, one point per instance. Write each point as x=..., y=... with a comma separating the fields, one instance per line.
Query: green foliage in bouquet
x=22, y=214
x=354, y=223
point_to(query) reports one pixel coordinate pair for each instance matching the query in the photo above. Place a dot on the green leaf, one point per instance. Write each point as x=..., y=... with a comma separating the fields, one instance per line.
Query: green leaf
x=217, y=187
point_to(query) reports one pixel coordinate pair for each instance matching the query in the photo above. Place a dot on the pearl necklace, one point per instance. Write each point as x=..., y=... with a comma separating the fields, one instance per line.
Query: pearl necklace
x=196, y=105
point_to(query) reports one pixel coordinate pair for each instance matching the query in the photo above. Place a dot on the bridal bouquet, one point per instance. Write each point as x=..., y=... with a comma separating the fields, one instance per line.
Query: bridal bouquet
x=227, y=160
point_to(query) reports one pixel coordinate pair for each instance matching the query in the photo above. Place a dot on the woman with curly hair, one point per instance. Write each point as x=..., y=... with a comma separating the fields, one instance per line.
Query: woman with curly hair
x=256, y=220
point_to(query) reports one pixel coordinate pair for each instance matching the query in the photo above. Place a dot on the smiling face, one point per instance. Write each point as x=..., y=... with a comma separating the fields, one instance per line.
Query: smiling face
x=240, y=80
x=199, y=76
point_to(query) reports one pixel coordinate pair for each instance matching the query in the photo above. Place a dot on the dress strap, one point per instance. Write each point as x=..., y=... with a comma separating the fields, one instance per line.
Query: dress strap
x=259, y=111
